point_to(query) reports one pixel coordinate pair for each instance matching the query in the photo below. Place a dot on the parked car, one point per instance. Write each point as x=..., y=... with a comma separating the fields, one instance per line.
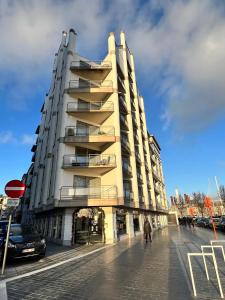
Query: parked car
x=216, y=221
x=221, y=224
x=24, y=241
x=202, y=222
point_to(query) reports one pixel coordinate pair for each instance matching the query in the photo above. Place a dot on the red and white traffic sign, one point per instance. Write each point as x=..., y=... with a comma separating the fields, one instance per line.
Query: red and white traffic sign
x=15, y=189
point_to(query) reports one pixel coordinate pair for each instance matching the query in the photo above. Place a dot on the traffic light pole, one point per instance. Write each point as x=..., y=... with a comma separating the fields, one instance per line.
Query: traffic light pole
x=6, y=244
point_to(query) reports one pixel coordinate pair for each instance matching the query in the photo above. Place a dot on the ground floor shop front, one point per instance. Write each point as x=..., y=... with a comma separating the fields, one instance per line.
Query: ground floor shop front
x=95, y=224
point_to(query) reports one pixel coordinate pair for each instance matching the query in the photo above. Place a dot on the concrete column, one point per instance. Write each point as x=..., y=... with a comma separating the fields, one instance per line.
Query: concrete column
x=67, y=227
x=141, y=222
x=110, y=225
x=130, y=224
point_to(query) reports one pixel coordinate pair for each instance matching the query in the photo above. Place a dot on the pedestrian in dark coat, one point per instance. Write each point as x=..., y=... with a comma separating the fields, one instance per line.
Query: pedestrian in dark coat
x=147, y=230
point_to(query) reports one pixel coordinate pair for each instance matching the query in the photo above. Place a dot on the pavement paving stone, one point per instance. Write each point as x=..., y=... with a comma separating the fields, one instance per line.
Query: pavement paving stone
x=129, y=270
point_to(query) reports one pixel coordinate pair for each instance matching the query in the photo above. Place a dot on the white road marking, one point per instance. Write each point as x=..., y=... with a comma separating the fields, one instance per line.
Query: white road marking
x=3, y=291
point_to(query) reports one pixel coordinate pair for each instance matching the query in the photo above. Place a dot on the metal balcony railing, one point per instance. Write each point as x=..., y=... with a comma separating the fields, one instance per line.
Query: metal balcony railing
x=156, y=174
x=91, y=160
x=86, y=65
x=90, y=106
x=124, y=122
x=137, y=155
x=86, y=84
x=89, y=192
x=141, y=199
x=139, y=177
x=136, y=140
x=123, y=102
x=127, y=167
x=83, y=131
x=128, y=195
x=125, y=143
x=157, y=188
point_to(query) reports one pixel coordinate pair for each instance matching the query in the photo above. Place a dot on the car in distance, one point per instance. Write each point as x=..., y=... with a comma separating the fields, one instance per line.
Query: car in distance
x=216, y=221
x=24, y=241
x=221, y=225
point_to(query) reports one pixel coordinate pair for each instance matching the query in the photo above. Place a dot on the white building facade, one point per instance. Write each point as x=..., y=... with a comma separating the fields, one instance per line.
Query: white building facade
x=96, y=171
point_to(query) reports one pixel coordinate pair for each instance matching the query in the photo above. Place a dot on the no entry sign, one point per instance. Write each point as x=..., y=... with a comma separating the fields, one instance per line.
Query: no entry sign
x=15, y=189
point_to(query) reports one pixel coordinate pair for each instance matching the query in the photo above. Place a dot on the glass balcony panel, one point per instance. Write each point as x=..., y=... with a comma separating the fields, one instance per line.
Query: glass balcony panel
x=91, y=192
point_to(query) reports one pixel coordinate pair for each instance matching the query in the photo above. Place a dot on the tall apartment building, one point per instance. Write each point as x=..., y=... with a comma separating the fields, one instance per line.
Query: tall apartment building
x=96, y=171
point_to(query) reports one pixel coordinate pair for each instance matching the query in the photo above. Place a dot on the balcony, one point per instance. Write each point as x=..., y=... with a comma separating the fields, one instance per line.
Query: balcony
x=135, y=125
x=123, y=104
x=136, y=140
x=161, y=208
x=153, y=159
x=125, y=144
x=96, y=112
x=156, y=175
x=90, y=137
x=128, y=196
x=157, y=188
x=33, y=157
x=105, y=195
x=34, y=148
x=127, y=170
x=133, y=105
x=124, y=123
x=132, y=90
x=137, y=156
x=90, y=90
x=121, y=86
x=90, y=165
x=97, y=70
x=140, y=178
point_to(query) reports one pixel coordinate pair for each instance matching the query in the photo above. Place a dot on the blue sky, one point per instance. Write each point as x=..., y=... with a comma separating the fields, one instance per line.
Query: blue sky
x=179, y=50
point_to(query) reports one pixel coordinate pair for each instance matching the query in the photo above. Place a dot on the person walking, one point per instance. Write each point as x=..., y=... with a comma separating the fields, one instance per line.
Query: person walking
x=147, y=230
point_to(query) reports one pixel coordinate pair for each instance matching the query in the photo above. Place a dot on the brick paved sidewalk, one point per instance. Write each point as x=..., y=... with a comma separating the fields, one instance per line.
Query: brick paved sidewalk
x=128, y=270
x=54, y=254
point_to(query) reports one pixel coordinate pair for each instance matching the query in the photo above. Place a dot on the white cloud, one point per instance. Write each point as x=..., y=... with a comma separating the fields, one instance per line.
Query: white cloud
x=28, y=139
x=7, y=137
x=179, y=45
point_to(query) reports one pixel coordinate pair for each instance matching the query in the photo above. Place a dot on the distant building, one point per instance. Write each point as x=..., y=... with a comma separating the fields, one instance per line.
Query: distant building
x=96, y=171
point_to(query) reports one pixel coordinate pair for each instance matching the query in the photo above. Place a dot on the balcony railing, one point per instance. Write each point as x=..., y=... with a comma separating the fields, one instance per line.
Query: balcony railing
x=127, y=168
x=90, y=106
x=125, y=143
x=137, y=156
x=82, y=131
x=153, y=158
x=128, y=195
x=157, y=176
x=133, y=105
x=86, y=65
x=139, y=177
x=136, y=140
x=157, y=188
x=89, y=192
x=123, y=102
x=124, y=122
x=86, y=84
x=91, y=160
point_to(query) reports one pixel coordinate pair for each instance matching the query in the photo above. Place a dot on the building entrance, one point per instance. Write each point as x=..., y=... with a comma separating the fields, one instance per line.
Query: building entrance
x=88, y=226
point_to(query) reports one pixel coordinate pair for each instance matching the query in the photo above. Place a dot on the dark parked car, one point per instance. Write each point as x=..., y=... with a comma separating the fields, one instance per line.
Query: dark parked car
x=216, y=221
x=221, y=224
x=24, y=241
x=202, y=222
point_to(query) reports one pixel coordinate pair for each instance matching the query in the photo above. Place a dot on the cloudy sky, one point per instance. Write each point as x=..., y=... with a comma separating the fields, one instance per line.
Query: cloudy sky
x=179, y=50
